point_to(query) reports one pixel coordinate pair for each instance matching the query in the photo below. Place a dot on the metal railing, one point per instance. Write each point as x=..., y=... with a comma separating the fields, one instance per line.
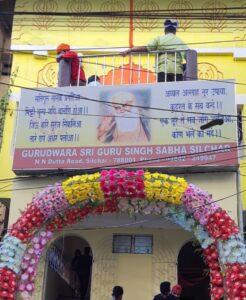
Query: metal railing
x=136, y=68
x=62, y=267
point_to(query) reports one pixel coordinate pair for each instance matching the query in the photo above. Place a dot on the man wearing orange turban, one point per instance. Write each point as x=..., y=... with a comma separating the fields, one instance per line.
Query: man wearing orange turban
x=64, y=52
x=62, y=47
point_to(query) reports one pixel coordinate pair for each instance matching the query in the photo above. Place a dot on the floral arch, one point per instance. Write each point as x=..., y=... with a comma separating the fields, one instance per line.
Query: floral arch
x=66, y=203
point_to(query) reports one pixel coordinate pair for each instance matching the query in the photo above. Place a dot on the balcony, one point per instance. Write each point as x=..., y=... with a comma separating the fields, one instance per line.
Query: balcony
x=137, y=68
x=129, y=121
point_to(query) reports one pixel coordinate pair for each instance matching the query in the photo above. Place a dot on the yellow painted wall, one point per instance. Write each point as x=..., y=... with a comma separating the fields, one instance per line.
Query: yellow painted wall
x=43, y=31
x=87, y=31
x=110, y=270
x=6, y=152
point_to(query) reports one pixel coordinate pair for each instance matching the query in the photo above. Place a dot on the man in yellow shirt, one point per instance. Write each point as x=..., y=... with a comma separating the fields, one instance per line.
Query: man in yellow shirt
x=167, y=45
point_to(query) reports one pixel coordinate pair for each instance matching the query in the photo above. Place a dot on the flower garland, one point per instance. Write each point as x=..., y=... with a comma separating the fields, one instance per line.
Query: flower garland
x=144, y=207
x=11, y=252
x=8, y=284
x=216, y=278
x=163, y=187
x=31, y=259
x=26, y=225
x=235, y=283
x=122, y=184
x=132, y=192
x=51, y=200
x=198, y=203
x=232, y=250
x=83, y=187
x=221, y=226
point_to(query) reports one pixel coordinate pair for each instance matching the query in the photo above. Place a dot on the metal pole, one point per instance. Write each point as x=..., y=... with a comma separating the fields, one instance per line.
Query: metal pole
x=165, y=67
x=175, y=66
x=104, y=67
x=148, y=64
x=131, y=66
x=80, y=59
x=96, y=66
x=122, y=71
x=157, y=65
x=113, y=70
x=88, y=63
x=139, y=66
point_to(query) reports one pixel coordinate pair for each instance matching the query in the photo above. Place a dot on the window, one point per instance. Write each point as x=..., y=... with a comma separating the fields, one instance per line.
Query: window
x=5, y=64
x=143, y=244
x=122, y=243
x=137, y=244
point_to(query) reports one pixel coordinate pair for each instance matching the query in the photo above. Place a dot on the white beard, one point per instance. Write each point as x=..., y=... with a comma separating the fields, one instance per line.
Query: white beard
x=127, y=124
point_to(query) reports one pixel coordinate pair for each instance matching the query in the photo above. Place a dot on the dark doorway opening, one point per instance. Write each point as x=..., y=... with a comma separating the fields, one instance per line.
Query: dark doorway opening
x=193, y=273
x=63, y=280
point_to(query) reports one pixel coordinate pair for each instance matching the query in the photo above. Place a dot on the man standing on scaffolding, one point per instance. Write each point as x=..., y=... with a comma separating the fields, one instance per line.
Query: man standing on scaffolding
x=171, y=53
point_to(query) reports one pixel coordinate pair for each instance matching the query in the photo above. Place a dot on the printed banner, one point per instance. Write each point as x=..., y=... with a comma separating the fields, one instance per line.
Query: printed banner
x=154, y=125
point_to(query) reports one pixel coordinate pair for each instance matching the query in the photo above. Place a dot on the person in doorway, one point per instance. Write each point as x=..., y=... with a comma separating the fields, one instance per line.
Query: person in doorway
x=94, y=80
x=168, y=64
x=77, y=73
x=176, y=292
x=126, y=125
x=81, y=264
x=117, y=293
x=165, y=288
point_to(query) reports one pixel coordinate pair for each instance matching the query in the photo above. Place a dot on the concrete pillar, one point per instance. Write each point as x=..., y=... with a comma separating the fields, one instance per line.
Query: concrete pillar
x=191, y=65
x=64, y=73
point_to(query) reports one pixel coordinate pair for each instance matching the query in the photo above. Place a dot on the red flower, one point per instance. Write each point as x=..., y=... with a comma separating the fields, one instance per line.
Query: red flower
x=212, y=259
x=220, y=225
x=8, y=283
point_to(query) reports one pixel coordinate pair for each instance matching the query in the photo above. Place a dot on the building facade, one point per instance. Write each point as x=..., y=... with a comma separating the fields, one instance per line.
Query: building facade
x=221, y=47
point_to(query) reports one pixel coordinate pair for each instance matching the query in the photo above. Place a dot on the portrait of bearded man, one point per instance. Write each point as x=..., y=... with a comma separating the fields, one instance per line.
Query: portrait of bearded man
x=126, y=124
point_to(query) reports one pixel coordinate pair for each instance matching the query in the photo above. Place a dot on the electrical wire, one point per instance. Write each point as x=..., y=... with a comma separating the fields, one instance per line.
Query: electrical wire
x=128, y=13
x=121, y=47
x=133, y=163
x=118, y=103
x=100, y=101
x=114, y=165
x=173, y=10
x=142, y=15
x=167, y=216
x=149, y=161
x=157, y=158
x=230, y=195
x=82, y=23
x=105, y=115
x=61, y=172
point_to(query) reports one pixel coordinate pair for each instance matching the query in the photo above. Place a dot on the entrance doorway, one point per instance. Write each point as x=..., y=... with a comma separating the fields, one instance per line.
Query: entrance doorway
x=62, y=280
x=193, y=273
